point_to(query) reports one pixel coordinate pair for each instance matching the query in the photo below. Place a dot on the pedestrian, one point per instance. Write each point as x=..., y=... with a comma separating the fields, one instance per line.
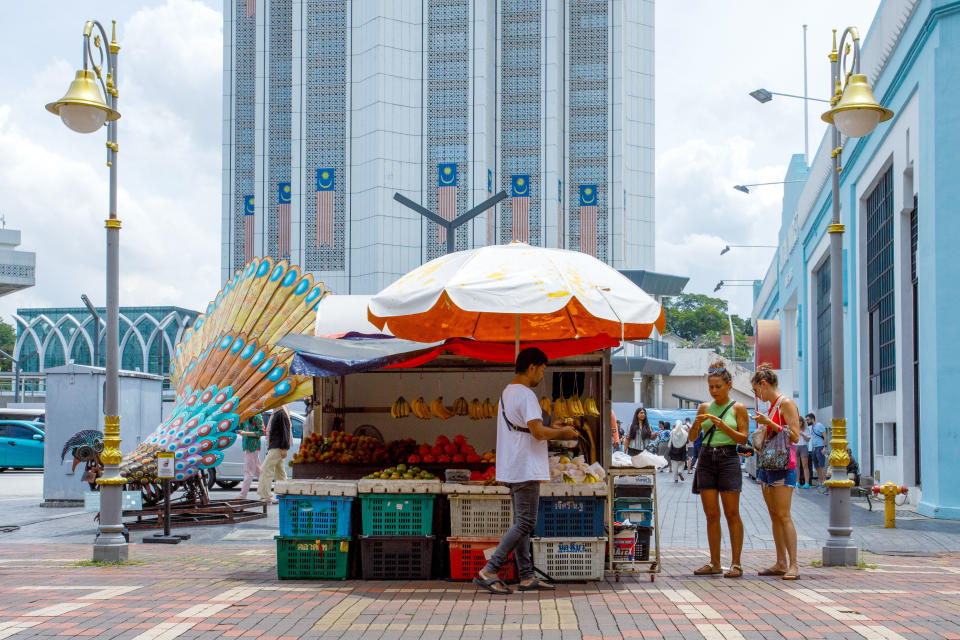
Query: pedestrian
x=308, y=419
x=723, y=424
x=803, y=454
x=818, y=447
x=622, y=435
x=640, y=431
x=278, y=443
x=522, y=465
x=678, y=450
x=777, y=468
x=614, y=429
x=252, y=430
x=663, y=444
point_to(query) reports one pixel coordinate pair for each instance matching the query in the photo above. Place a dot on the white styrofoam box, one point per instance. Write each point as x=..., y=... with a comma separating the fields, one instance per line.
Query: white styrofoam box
x=560, y=489
x=454, y=488
x=346, y=488
x=398, y=486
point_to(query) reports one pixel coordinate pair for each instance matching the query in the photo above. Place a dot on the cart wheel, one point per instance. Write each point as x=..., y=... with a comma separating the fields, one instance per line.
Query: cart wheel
x=653, y=577
x=616, y=576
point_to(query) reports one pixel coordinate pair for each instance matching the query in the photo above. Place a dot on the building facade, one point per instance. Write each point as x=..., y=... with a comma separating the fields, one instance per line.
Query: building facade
x=17, y=268
x=901, y=291
x=333, y=106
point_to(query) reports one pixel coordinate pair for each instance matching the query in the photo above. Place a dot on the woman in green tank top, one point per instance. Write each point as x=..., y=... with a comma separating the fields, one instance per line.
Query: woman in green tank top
x=718, y=479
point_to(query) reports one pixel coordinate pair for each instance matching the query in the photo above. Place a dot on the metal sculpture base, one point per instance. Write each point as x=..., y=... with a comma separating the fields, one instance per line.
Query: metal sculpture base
x=839, y=550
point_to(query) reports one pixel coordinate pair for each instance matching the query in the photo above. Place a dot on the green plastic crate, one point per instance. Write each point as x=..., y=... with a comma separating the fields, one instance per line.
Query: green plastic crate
x=310, y=558
x=397, y=514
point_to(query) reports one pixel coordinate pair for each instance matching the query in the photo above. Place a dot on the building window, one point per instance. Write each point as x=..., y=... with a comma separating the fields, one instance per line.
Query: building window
x=824, y=363
x=880, y=279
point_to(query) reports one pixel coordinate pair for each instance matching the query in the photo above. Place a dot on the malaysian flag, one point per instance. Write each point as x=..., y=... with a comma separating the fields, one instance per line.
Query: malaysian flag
x=325, y=207
x=588, y=219
x=446, y=195
x=251, y=7
x=492, y=211
x=248, y=219
x=283, y=199
x=520, y=201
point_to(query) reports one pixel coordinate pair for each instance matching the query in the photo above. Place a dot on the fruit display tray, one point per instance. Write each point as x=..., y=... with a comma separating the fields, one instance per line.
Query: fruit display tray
x=398, y=486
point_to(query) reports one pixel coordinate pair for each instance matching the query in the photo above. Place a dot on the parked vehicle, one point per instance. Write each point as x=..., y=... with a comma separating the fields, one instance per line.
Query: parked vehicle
x=229, y=473
x=37, y=416
x=21, y=445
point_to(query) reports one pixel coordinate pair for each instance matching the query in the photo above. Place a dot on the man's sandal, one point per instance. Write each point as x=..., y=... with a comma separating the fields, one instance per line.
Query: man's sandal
x=536, y=585
x=736, y=571
x=487, y=584
x=708, y=570
x=790, y=575
x=771, y=572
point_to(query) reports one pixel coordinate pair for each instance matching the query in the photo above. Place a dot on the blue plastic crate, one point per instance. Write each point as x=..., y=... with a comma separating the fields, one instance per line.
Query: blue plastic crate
x=643, y=517
x=570, y=517
x=315, y=516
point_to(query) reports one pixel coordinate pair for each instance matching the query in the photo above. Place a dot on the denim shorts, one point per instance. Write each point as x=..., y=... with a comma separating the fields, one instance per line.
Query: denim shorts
x=718, y=469
x=777, y=477
x=819, y=460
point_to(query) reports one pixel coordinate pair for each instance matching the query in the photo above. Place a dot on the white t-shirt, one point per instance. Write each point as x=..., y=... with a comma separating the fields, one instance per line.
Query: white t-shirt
x=520, y=456
x=806, y=434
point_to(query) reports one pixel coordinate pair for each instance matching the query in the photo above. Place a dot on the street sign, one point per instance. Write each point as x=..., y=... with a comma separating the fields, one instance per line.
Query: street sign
x=165, y=465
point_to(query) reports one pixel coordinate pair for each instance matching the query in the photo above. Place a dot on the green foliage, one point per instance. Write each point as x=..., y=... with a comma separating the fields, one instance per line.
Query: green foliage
x=8, y=338
x=703, y=320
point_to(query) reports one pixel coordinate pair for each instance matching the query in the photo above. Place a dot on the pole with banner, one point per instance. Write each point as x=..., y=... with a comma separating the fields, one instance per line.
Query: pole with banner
x=165, y=469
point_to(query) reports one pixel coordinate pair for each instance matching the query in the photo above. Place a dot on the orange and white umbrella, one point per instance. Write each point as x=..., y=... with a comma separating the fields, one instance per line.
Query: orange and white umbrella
x=514, y=293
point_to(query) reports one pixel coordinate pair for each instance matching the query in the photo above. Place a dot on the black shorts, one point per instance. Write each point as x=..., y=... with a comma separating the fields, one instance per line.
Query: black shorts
x=718, y=469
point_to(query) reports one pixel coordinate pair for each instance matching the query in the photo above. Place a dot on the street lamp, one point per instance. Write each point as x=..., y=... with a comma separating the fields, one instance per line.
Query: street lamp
x=735, y=283
x=855, y=113
x=726, y=249
x=84, y=110
x=743, y=188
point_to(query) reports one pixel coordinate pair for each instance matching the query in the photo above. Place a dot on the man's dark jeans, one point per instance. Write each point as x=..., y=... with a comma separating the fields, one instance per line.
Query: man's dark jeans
x=526, y=501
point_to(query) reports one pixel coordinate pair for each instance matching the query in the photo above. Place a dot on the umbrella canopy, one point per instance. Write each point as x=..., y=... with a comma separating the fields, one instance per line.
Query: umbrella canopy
x=515, y=292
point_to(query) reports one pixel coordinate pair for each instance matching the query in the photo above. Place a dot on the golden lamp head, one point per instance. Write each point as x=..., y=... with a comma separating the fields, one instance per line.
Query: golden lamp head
x=858, y=112
x=83, y=108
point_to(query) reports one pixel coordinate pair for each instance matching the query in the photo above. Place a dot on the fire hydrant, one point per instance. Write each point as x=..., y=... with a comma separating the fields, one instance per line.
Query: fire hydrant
x=889, y=491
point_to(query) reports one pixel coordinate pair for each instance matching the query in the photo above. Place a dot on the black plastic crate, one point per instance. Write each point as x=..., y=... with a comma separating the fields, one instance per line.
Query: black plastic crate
x=642, y=549
x=632, y=491
x=397, y=557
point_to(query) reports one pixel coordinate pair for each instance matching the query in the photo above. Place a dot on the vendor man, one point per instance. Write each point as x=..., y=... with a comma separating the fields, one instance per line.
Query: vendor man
x=521, y=465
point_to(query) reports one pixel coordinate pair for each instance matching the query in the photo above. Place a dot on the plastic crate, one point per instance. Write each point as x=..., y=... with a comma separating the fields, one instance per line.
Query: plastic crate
x=303, y=515
x=460, y=476
x=633, y=503
x=301, y=558
x=387, y=514
x=467, y=558
x=574, y=558
x=480, y=516
x=641, y=552
x=643, y=517
x=396, y=557
x=570, y=517
x=632, y=491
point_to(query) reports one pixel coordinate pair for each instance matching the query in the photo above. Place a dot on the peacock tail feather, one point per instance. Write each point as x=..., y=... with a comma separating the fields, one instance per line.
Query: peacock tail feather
x=227, y=367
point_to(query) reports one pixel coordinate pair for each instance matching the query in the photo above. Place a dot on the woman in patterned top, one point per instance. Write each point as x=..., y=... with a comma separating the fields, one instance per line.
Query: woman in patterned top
x=252, y=431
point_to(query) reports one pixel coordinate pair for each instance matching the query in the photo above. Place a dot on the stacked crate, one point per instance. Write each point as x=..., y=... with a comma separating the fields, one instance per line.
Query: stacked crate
x=633, y=498
x=397, y=538
x=570, y=542
x=479, y=516
x=315, y=529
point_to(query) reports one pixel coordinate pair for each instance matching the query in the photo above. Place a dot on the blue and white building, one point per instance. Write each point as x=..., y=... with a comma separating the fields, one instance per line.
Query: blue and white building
x=377, y=94
x=899, y=192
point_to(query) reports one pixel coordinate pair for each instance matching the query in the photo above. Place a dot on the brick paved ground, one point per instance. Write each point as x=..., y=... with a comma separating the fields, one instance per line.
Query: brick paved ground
x=209, y=592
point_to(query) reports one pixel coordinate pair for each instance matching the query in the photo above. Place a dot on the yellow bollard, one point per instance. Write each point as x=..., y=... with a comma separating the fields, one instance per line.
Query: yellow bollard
x=889, y=491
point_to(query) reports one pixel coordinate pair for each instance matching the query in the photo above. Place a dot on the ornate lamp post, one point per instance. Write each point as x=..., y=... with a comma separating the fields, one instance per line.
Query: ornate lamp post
x=84, y=110
x=855, y=113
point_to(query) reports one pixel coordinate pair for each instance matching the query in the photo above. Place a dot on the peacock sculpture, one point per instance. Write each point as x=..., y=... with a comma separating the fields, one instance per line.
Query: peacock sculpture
x=227, y=367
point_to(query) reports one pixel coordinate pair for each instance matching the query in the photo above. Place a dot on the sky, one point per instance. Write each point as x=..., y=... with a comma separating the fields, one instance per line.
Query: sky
x=710, y=135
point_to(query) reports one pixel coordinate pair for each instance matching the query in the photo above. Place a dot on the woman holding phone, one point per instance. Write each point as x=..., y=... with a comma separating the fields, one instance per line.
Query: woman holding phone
x=782, y=423
x=718, y=479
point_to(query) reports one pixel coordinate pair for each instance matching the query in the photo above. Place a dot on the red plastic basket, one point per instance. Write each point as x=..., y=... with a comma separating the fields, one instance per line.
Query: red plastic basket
x=467, y=558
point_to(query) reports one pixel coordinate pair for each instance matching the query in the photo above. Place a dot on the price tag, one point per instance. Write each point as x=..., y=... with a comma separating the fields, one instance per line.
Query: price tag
x=165, y=465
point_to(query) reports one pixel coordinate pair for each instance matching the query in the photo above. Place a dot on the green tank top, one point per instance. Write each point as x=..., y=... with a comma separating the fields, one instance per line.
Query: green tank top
x=719, y=438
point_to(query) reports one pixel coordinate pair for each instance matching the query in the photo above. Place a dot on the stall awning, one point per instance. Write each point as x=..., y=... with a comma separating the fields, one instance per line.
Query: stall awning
x=319, y=356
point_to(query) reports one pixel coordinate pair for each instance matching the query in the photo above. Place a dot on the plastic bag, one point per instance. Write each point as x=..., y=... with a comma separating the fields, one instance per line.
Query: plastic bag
x=597, y=470
x=647, y=459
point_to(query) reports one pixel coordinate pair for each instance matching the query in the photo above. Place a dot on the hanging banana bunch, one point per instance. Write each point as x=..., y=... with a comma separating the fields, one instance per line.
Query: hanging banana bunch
x=400, y=408
x=420, y=409
x=590, y=407
x=439, y=410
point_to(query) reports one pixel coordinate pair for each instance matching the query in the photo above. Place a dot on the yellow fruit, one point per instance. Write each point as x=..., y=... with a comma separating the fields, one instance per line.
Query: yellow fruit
x=564, y=460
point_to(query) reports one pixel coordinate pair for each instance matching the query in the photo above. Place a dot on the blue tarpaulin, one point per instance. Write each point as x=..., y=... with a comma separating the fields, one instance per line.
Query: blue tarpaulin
x=318, y=356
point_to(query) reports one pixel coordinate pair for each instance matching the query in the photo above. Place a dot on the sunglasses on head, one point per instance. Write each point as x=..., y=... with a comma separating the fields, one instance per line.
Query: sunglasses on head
x=716, y=370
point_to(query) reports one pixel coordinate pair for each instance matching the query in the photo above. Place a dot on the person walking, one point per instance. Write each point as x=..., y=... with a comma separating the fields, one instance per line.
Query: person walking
x=522, y=465
x=818, y=447
x=639, y=432
x=252, y=430
x=663, y=444
x=278, y=443
x=803, y=453
x=724, y=424
x=777, y=468
x=678, y=450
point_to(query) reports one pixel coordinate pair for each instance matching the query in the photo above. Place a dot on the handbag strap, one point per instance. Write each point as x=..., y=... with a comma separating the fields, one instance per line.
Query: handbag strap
x=708, y=438
x=510, y=425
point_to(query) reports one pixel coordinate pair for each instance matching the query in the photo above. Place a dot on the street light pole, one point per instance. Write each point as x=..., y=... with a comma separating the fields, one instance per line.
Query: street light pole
x=83, y=109
x=96, y=328
x=855, y=113
x=450, y=225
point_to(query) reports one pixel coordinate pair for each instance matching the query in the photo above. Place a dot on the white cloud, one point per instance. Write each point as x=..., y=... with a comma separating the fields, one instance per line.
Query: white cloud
x=55, y=181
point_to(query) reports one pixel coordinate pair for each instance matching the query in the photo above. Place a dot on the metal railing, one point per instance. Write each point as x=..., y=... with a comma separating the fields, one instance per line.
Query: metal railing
x=651, y=348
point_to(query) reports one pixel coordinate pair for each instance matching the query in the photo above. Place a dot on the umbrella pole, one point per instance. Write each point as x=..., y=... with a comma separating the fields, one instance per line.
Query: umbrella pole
x=516, y=341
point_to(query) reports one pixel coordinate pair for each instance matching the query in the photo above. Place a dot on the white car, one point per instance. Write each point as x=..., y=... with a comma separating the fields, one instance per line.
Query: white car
x=229, y=473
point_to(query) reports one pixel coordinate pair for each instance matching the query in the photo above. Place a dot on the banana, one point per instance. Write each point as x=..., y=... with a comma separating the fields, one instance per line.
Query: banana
x=476, y=409
x=559, y=409
x=404, y=408
x=546, y=404
x=438, y=409
x=419, y=408
x=393, y=409
x=460, y=406
x=489, y=409
x=591, y=407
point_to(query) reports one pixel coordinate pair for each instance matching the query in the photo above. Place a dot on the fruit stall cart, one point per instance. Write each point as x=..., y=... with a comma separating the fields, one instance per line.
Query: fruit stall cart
x=632, y=495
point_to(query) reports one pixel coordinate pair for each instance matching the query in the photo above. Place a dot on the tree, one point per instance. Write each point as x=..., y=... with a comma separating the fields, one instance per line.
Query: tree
x=703, y=320
x=8, y=339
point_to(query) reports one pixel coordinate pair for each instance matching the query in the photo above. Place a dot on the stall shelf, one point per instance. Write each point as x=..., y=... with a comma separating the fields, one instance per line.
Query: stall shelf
x=653, y=565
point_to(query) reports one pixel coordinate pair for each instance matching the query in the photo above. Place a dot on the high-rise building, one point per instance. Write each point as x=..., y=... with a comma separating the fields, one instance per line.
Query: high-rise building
x=332, y=106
